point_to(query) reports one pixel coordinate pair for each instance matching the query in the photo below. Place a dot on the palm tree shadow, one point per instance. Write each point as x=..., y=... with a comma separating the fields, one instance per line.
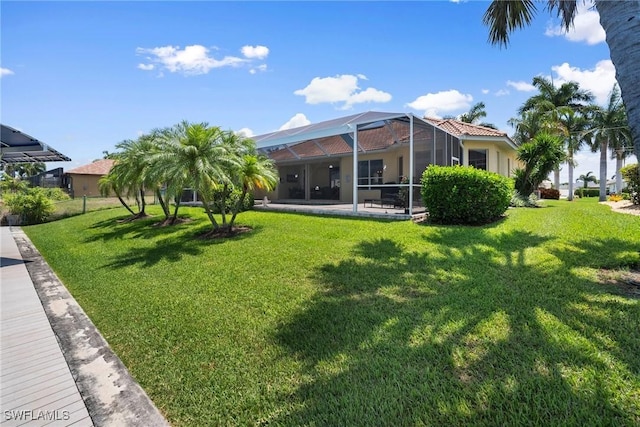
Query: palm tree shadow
x=415, y=336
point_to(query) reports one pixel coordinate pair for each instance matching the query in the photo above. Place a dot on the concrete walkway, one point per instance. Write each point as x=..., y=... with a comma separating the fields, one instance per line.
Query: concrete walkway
x=56, y=368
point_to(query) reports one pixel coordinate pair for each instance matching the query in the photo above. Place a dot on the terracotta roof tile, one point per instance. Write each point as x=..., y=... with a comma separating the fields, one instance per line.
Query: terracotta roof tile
x=458, y=128
x=99, y=167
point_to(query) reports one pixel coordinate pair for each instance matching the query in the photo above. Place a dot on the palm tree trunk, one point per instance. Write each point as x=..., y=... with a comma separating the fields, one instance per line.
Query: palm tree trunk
x=621, y=22
x=126, y=206
x=570, y=172
x=619, y=159
x=165, y=208
x=143, y=203
x=238, y=207
x=207, y=209
x=556, y=178
x=603, y=171
x=175, y=211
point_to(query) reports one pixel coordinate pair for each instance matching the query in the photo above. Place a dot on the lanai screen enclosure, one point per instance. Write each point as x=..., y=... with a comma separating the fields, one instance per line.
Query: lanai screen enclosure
x=317, y=162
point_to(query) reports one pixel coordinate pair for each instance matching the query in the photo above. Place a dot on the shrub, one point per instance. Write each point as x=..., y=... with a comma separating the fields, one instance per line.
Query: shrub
x=615, y=197
x=464, y=195
x=587, y=192
x=33, y=205
x=231, y=201
x=56, y=194
x=630, y=173
x=518, y=201
x=549, y=193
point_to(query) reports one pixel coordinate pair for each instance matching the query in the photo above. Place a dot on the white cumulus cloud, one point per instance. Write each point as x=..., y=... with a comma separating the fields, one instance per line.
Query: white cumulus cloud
x=485, y=91
x=259, y=68
x=295, y=121
x=436, y=104
x=246, y=132
x=341, y=89
x=599, y=80
x=502, y=92
x=5, y=72
x=255, y=52
x=586, y=26
x=521, y=86
x=197, y=59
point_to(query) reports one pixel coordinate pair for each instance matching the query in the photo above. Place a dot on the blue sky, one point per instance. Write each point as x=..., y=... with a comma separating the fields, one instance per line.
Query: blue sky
x=83, y=76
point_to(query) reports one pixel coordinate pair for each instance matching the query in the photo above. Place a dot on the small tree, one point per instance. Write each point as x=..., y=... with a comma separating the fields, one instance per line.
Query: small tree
x=631, y=174
x=540, y=156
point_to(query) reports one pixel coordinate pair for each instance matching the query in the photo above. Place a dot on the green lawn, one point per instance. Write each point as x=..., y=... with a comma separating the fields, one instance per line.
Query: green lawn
x=312, y=320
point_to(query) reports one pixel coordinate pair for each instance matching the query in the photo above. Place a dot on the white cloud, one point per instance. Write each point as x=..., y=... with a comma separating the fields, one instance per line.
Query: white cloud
x=434, y=104
x=5, y=72
x=246, y=132
x=502, y=92
x=255, y=52
x=521, y=86
x=261, y=68
x=586, y=26
x=599, y=80
x=342, y=88
x=296, y=121
x=191, y=60
x=485, y=91
x=146, y=67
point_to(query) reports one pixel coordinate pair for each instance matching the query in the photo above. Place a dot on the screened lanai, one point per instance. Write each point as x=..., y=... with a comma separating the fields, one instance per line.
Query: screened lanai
x=317, y=163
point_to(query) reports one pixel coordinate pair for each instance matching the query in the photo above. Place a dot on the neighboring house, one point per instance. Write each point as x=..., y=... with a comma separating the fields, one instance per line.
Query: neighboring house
x=316, y=162
x=83, y=180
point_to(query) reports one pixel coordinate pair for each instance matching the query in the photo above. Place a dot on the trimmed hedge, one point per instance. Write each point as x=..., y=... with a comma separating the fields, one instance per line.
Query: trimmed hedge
x=587, y=192
x=549, y=193
x=465, y=195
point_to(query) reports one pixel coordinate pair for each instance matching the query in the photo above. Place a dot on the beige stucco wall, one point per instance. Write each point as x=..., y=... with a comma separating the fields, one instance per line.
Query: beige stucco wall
x=500, y=158
x=85, y=185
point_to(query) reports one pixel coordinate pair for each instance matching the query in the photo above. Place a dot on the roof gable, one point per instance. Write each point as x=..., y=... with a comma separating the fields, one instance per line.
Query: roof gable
x=99, y=167
x=459, y=128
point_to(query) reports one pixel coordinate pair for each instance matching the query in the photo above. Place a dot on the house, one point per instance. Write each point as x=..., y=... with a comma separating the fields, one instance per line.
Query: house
x=317, y=162
x=83, y=180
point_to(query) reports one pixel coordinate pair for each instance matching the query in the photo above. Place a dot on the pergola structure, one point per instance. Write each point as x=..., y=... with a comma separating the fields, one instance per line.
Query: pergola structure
x=387, y=136
x=18, y=147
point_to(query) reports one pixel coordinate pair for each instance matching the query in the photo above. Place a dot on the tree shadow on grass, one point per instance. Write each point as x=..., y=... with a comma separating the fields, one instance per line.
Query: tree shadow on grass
x=465, y=330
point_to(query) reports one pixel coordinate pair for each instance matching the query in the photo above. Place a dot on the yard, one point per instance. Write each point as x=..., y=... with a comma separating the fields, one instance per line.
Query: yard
x=310, y=320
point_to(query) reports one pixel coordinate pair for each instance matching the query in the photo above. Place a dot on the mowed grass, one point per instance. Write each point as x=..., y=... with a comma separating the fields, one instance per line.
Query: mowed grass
x=311, y=320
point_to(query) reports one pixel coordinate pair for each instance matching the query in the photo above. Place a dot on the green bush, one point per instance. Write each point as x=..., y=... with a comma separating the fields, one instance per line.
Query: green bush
x=231, y=201
x=33, y=205
x=630, y=175
x=549, y=193
x=465, y=195
x=56, y=194
x=518, y=201
x=587, y=192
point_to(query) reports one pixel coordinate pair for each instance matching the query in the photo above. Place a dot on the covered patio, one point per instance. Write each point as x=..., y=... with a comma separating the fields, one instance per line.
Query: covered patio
x=318, y=164
x=18, y=147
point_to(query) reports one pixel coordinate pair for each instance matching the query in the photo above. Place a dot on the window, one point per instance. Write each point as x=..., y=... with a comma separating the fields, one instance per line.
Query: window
x=509, y=167
x=478, y=159
x=400, y=168
x=370, y=172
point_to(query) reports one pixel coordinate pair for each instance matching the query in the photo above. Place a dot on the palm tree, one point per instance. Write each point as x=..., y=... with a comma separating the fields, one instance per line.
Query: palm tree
x=552, y=102
x=540, y=156
x=573, y=126
x=586, y=179
x=474, y=115
x=194, y=156
x=610, y=127
x=255, y=172
x=622, y=27
x=109, y=184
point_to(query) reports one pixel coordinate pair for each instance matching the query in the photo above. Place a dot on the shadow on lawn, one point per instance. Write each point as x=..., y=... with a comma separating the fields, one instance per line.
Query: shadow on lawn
x=465, y=332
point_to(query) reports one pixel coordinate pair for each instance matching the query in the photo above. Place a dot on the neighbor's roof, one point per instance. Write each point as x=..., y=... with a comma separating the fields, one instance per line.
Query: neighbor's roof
x=18, y=147
x=99, y=167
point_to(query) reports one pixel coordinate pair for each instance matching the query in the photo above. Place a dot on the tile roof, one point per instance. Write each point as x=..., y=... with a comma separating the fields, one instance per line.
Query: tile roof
x=99, y=167
x=458, y=128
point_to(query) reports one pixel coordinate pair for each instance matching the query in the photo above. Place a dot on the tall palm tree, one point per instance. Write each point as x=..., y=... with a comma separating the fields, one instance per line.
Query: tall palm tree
x=610, y=127
x=621, y=23
x=573, y=126
x=474, y=115
x=552, y=102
